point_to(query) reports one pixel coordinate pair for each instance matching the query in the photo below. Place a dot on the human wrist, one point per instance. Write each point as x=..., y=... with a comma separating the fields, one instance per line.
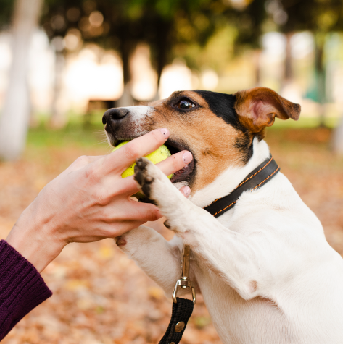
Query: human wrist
x=35, y=240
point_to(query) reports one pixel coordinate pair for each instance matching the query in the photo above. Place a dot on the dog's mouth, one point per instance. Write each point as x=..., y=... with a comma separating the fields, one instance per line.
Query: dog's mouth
x=183, y=175
x=186, y=173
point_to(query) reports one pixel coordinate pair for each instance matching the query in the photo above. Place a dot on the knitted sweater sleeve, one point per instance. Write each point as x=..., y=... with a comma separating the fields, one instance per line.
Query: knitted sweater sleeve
x=21, y=288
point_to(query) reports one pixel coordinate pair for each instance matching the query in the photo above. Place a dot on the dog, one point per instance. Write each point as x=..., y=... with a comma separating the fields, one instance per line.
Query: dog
x=264, y=267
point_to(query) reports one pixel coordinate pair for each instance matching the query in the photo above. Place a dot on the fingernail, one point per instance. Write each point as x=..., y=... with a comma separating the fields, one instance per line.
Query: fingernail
x=165, y=132
x=187, y=157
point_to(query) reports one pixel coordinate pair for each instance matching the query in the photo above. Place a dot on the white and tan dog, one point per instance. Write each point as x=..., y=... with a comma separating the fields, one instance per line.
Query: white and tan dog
x=265, y=269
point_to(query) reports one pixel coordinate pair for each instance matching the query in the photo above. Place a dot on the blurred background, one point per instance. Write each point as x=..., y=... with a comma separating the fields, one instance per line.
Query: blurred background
x=63, y=62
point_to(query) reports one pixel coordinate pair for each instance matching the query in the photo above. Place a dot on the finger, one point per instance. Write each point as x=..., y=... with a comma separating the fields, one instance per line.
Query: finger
x=110, y=230
x=130, y=210
x=175, y=162
x=121, y=159
x=186, y=191
x=127, y=187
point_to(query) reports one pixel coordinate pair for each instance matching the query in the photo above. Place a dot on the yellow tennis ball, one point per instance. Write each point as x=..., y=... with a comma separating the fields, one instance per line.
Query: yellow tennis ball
x=155, y=157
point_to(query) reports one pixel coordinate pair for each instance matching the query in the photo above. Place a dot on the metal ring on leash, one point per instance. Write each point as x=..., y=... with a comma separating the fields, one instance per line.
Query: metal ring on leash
x=183, y=283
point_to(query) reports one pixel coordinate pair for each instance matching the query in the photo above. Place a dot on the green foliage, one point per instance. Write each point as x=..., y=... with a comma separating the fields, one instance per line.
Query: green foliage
x=7, y=7
x=71, y=135
x=215, y=54
x=314, y=15
x=163, y=24
x=250, y=24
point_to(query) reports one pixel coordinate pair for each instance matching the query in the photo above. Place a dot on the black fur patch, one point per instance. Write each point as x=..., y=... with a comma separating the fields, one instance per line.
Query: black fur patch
x=143, y=180
x=221, y=105
x=147, y=200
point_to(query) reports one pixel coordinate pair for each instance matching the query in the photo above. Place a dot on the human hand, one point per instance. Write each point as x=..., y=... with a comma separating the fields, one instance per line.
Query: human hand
x=90, y=201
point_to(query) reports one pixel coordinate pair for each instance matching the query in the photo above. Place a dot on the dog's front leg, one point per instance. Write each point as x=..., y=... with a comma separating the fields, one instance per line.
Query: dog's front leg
x=158, y=258
x=231, y=255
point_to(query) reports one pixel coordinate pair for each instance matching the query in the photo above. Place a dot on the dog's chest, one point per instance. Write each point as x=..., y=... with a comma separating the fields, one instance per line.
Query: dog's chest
x=238, y=320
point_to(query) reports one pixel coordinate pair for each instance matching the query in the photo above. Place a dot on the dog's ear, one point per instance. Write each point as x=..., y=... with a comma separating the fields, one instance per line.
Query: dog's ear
x=258, y=107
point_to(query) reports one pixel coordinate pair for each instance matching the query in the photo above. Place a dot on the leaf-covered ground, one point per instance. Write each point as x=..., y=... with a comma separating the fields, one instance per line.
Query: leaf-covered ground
x=99, y=296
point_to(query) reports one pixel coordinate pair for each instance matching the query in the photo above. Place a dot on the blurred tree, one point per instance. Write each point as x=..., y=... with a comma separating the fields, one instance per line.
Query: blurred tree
x=15, y=114
x=6, y=13
x=169, y=23
x=318, y=16
x=250, y=25
x=203, y=40
x=122, y=24
x=337, y=138
x=218, y=31
x=233, y=27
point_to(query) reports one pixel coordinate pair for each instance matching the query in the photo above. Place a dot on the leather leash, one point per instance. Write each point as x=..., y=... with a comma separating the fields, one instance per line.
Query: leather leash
x=183, y=308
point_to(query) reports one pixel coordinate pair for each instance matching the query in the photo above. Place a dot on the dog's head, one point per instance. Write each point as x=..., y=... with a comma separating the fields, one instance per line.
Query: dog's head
x=217, y=128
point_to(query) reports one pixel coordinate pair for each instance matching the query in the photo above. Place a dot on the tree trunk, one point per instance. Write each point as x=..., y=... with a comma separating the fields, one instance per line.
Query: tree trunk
x=159, y=64
x=15, y=116
x=126, y=49
x=161, y=44
x=58, y=119
x=320, y=77
x=287, y=82
x=338, y=138
x=257, y=67
x=288, y=71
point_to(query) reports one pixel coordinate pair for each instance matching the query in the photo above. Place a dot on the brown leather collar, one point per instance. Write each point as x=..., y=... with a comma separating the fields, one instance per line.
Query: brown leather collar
x=258, y=177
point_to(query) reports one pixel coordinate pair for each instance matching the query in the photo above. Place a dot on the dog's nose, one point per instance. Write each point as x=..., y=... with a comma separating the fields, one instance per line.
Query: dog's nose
x=113, y=114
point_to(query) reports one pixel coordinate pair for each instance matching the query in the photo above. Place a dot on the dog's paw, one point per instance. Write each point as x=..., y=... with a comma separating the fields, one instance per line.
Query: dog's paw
x=146, y=173
x=157, y=187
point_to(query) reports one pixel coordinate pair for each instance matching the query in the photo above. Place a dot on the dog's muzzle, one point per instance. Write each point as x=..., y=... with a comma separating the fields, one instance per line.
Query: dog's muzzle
x=114, y=115
x=125, y=124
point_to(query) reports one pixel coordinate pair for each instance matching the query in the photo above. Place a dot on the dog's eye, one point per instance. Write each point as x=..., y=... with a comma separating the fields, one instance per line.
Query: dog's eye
x=184, y=104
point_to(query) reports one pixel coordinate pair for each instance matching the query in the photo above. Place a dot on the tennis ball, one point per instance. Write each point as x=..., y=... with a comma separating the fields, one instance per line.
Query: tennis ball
x=155, y=157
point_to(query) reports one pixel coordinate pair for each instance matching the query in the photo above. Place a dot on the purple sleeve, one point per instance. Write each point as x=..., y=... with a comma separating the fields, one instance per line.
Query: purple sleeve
x=21, y=288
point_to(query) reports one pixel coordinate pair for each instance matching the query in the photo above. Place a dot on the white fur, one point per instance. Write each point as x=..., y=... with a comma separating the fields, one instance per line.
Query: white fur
x=138, y=113
x=230, y=178
x=265, y=269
